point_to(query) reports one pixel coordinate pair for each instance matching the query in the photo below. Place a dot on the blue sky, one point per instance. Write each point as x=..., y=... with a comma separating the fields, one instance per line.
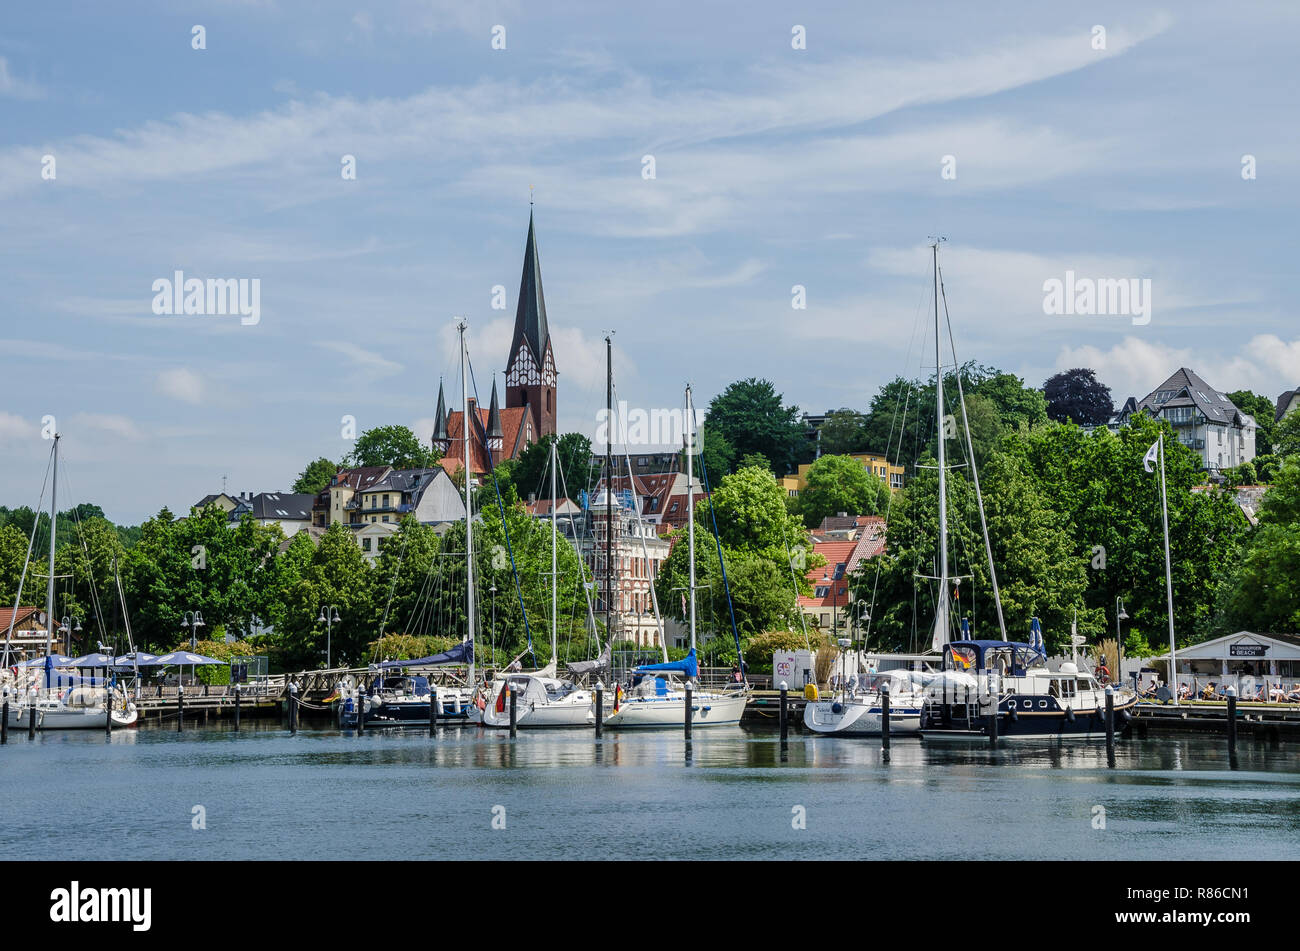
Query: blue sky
x=774, y=167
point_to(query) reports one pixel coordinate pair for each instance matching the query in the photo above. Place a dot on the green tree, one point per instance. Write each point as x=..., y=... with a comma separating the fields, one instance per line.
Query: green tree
x=394, y=446
x=1078, y=396
x=1287, y=435
x=750, y=416
x=1262, y=408
x=843, y=432
x=839, y=484
x=13, y=553
x=316, y=476
x=1259, y=592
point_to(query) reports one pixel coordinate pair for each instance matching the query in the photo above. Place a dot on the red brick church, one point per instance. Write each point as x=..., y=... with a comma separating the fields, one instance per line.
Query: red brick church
x=529, y=413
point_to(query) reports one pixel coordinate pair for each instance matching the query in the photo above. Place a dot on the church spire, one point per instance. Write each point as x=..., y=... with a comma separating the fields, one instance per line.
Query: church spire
x=494, y=415
x=530, y=371
x=530, y=313
x=440, y=419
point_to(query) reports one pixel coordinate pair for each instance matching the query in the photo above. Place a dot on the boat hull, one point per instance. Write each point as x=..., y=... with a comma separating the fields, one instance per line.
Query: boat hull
x=664, y=712
x=1084, y=725
x=859, y=718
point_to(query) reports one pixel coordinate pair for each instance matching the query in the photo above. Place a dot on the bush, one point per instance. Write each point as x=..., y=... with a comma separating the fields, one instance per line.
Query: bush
x=217, y=650
x=761, y=647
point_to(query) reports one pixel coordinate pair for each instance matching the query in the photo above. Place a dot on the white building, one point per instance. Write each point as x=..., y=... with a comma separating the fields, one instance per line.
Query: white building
x=1206, y=421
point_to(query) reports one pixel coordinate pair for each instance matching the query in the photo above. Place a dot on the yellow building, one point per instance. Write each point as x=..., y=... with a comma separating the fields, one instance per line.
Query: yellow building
x=873, y=462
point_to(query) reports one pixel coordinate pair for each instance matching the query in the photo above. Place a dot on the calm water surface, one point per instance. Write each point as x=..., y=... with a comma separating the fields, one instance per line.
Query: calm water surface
x=322, y=795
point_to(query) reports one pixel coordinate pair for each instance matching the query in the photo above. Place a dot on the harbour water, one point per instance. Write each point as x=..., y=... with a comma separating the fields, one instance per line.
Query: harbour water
x=266, y=793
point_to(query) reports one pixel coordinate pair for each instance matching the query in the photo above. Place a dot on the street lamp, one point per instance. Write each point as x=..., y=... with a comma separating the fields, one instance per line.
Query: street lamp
x=192, y=620
x=1121, y=615
x=329, y=616
x=66, y=629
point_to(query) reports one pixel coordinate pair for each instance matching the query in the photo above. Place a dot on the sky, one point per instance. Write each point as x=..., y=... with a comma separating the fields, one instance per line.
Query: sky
x=814, y=145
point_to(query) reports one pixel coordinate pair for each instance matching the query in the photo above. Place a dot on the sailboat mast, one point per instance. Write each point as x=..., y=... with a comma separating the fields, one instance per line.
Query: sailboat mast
x=469, y=519
x=1169, y=576
x=609, y=488
x=690, y=502
x=555, y=542
x=941, y=613
x=49, y=582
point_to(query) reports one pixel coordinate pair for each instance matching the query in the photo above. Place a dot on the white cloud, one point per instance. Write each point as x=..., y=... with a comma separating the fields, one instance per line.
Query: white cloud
x=367, y=364
x=16, y=88
x=180, y=384
x=14, y=428
x=1265, y=364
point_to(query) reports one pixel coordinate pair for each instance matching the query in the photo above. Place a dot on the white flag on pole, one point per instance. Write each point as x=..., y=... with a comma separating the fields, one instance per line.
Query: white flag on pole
x=1153, y=454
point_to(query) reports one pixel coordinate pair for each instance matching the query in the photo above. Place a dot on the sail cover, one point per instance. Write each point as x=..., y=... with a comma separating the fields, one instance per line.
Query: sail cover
x=462, y=653
x=688, y=665
x=580, y=667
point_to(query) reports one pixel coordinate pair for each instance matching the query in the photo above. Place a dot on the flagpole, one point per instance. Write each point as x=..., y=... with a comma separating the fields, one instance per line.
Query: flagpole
x=1169, y=579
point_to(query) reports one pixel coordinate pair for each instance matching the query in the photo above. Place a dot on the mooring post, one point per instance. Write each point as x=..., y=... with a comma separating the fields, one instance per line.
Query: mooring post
x=1232, y=726
x=108, y=710
x=1110, y=725
x=293, y=706
x=513, y=713
x=236, y=708
x=884, y=718
x=993, y=718
x=600, y=707
x=361, y=707
x=783, y=715
x=180, y=707
x=689, y=712
x=4, y=720
x=31, y=714
x=433, y=710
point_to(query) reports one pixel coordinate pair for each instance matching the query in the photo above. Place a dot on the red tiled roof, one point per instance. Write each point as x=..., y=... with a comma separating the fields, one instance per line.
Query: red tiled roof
x=516, y=433
x=836, y=553
x=26, y=620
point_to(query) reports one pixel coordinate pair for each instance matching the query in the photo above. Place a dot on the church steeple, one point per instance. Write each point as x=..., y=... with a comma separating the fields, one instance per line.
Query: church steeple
x=530, y=372
x=440, y=439
x=494, y=419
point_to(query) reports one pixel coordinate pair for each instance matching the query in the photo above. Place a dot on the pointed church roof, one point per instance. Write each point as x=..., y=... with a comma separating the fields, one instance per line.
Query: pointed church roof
x=530, y=314
x=440, y=418
x=494, y=415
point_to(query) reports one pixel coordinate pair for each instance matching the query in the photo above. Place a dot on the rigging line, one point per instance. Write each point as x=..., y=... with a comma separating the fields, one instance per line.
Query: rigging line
x=979, y=497
x=789, y=557
x=519, y=591
x=90, y=572
x=31, y=542
x=383, y=621
x=645, y=553
x=582, y=565
x=726, y=585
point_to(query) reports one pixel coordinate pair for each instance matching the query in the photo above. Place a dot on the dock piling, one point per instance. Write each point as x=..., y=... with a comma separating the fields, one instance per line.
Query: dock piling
x=1110, y=726
x=689, y=712
x=884, y=719
x=236, y=708
x=433, y=711
x=293, y=707
x=1232, y=727
x=600, y=708
x=783, y=716
x=180, y=707
x=514, y=722
x=31, y=714
x=4, y=720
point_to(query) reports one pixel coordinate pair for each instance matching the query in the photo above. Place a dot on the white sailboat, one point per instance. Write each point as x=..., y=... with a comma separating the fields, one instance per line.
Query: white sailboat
x=541, y=699
x=659, y=700
x=50, y=706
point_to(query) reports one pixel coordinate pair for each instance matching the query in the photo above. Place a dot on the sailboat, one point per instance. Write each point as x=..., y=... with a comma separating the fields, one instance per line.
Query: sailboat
x=1002, y=685
x=51, y=706
x=405, y=698
x=659, y=698
x=541, y=699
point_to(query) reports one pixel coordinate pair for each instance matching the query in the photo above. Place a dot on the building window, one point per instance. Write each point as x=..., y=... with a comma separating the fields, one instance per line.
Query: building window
x=385, y=500
x=365, y=544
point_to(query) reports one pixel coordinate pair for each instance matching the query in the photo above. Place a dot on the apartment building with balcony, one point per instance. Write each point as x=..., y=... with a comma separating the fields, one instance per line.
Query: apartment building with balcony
x=1205, y=420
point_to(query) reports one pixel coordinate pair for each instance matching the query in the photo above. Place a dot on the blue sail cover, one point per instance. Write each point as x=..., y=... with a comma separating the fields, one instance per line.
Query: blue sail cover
x=688, y=665
x=1036, y=637
x=462, y=653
